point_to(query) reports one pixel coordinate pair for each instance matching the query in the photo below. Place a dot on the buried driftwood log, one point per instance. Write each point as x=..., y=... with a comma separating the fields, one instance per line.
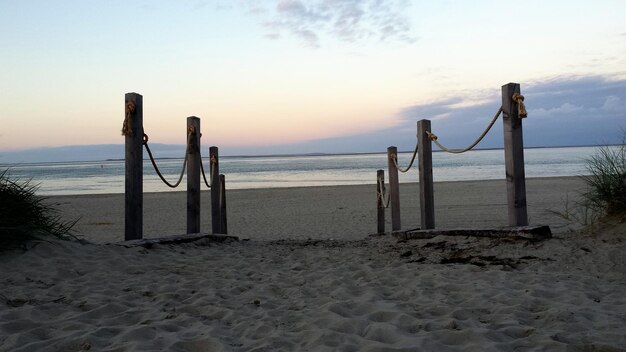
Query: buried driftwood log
x=177, y=239
x=522, y=232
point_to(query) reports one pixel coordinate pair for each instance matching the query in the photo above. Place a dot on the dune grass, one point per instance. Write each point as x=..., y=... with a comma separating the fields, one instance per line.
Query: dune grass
x=607, y=180
x=25, y=216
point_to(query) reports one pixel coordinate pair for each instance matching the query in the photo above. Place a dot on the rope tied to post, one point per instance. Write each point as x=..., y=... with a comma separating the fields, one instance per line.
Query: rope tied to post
x=156, y=168
x=394, y=159
x=130, y=111
x=521, y=108
x=433, y=137
x=381, y=194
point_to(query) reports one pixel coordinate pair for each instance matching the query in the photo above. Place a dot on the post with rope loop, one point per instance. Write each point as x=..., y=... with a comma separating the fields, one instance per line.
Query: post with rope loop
x=215, y=189
x=394, y=188
x=132, y=130
x=193, y=174
x=513, y=111
x=425, y=161
x=380, y=200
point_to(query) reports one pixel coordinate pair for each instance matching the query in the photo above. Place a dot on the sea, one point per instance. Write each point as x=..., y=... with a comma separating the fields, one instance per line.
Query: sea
x=248, y=172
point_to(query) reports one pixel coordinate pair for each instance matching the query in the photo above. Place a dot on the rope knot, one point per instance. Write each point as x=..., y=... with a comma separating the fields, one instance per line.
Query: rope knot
x=431, y=136
x=145, y=139
x=521, y=108
x=130, y=110
x=213, y=160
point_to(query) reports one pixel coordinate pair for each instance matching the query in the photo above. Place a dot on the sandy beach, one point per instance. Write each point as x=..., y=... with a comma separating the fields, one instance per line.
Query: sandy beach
x=307, y=276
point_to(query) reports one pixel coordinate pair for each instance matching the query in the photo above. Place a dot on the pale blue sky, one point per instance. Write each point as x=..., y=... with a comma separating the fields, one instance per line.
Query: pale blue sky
x=310, y=76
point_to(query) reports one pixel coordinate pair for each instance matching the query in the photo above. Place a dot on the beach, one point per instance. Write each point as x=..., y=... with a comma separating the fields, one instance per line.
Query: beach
x=308, y=274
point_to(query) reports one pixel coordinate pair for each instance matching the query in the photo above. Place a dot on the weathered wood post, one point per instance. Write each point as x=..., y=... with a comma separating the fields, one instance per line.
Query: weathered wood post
x=133, y=198
x=394, y=187
x=215, y=189
x=425, y=160
x=223, y=222
x=193, y=175
x=514, y=157
x=380, y=200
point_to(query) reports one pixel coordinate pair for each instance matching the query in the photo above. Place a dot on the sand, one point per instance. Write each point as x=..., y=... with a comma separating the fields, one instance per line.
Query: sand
x=337, y=212
x=281, y=291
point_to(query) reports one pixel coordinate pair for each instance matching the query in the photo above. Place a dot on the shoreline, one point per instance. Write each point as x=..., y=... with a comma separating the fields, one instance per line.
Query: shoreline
x=339, y=212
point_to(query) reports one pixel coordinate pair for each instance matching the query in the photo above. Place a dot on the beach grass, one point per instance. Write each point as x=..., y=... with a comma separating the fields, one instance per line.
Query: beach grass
x=607, y=180
x=25, y=216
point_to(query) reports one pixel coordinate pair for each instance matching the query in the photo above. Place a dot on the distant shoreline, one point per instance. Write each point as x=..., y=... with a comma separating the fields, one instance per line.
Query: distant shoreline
x=9, y=165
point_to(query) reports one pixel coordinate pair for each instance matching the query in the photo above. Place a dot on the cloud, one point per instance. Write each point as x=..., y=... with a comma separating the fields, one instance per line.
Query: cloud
x=565, y=111
x=561, y=111
x=345, y=20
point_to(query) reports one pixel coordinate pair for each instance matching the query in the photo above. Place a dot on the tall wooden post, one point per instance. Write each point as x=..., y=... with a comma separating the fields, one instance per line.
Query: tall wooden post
x=215, y=189
x=380, y=200
x=133, y=198
x=193, y=174
x=394, y=188
x=514, y=157
x=425, y=160
x=223, y=222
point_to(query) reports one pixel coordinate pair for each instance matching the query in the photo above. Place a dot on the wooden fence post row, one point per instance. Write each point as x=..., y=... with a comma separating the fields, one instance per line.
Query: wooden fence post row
x=193, y=175
x=514, y=157
x=394, y=188
x=133, y=182
x=425, y=161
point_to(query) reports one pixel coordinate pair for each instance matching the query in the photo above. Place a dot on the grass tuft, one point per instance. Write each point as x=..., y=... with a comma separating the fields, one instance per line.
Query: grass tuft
x=607, y=180
x=24, y=216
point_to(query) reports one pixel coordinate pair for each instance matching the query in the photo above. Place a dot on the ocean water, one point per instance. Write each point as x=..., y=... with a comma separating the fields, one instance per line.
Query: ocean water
x=99, y=177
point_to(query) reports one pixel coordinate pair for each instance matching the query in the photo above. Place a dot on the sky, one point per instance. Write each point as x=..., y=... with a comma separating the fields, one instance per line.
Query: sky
x=297, y=76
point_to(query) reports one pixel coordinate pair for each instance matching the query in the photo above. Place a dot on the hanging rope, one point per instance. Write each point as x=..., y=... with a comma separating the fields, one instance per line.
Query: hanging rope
x=203, y=175
x=130, y=110
x=394, y=158
x=156, y=168
x=434, y=137
x=381, y=194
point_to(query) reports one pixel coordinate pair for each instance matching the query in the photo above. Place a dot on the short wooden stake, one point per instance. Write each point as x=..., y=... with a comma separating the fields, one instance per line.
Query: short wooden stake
x=223, y=222
x=215, y=189
x=425, y=160
x=133, y=198
x=380, y=199
x=394, y=188
x=514, y=157
x=193, y=175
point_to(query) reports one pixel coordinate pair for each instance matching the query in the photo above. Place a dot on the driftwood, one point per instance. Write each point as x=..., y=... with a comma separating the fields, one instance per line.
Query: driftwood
x=524, y=232
x=177, y=239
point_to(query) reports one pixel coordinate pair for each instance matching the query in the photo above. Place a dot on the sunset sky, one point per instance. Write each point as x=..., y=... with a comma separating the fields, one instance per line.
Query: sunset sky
x=309, y=76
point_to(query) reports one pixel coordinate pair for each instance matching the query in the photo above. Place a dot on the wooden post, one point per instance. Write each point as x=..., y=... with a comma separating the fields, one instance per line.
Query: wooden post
x=215, y=189
x=380, y=199
x=394, y=188
x=193, y=175
x=223, y=222
x=133, y=198
x=514, y=157
x=425, y=160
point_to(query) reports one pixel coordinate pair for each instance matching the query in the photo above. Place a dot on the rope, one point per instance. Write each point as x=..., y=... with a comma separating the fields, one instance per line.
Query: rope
x=521, y=108
x=156, y=168
x=394, y=158
x=203, y=175
x=381, y=195
x=130, y=110
x=434, y=138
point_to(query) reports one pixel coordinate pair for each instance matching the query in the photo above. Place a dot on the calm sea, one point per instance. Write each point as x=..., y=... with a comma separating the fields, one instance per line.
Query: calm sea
x=295, y=171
